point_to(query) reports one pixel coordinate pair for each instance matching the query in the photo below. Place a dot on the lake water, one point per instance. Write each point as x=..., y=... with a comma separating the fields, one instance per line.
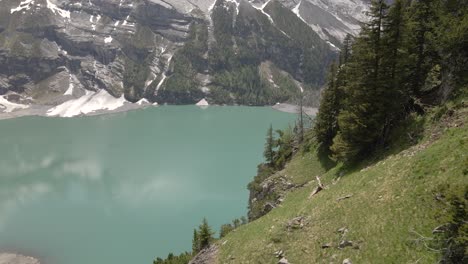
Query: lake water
x=125, y=188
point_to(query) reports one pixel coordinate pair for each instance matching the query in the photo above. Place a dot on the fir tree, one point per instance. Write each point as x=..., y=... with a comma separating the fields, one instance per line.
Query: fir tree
x=360, y=120
x=326, y=125
x=195, y=242
x=205, y=235
x=269, y=147
x=346, y=50
x=421, y=50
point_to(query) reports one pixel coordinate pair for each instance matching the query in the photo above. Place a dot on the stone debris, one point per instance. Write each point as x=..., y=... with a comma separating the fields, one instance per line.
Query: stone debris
x=279, y=253
x=345, y=243
x=342, y=231
x=297, y=223
x=206, y=256
x=319, y=187
x=347, y=261
x=283, y=260
x=327, y=245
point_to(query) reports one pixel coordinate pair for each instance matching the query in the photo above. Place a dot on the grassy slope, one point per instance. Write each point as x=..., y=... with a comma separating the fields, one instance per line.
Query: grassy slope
x=391, y=199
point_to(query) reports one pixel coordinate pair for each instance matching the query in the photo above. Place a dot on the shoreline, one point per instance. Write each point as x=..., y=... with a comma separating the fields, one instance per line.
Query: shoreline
x=294, y=109
x=41, y=110
x=13, y=258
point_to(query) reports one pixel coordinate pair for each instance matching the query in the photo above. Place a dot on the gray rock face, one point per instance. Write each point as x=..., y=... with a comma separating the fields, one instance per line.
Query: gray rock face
x=206, y=256
x=331, y=19
x=92, y=41
x=127, y=46
x=9, y=258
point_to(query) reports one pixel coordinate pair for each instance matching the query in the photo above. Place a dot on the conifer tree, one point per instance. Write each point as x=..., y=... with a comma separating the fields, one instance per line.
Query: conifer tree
x=360, y=120
x=195, y=242
x=421, y=22
x=205, y=235
x=346, y=50
x=269, y=153
x=326, y=125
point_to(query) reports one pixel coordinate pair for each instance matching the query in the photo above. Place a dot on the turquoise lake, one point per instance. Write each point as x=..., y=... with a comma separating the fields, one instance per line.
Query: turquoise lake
x=126, y=187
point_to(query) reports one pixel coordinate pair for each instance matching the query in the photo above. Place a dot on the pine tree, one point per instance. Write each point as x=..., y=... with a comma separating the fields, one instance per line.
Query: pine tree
x=346, y=50
x=300, y=125
x=421, y=51
x=393, y=94
x=360, y=120
x=195, y=242
x=205, y=235
x=269, y=152
x=326, y=123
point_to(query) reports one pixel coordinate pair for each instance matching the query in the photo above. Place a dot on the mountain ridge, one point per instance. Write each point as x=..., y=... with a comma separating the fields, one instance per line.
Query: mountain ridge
x=53, y=51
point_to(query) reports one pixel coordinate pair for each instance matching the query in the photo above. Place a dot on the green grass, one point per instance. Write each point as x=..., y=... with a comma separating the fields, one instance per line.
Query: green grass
x=393, y=201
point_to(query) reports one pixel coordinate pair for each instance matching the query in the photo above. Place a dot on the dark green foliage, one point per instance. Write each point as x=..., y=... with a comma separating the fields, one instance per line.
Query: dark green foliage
x=183, y=258
x=227, y=228
x=137, y=61
x=195, y=241
x=399, y=62
x=269, y=153
x=135, y=75
x=451, y=237
x=246, y=85
x=285, y=145
x=204, y=235
x=247, y=39
x=182, y=85
x=326, y=122
x=316, y=54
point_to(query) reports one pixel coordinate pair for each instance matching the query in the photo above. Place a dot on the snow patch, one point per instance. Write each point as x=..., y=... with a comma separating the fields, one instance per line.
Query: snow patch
x=161, y=82
x=142, y=101
x=333, y=46
x=69, y=91
x=202, y=102
x=88, y=103
x=26, y=4
x=8, y=106
x=108, y=39
x=261, y=9
x=56, y=10
x=212, y=6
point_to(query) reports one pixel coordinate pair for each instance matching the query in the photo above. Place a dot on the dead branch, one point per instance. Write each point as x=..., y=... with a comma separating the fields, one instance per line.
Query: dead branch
x=344, y=197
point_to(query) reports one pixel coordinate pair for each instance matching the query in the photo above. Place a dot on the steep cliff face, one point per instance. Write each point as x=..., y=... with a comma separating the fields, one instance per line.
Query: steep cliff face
x=169, y=51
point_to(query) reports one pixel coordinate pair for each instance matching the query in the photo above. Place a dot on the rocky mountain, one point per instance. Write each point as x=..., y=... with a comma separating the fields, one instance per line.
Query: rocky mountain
x=169, y=51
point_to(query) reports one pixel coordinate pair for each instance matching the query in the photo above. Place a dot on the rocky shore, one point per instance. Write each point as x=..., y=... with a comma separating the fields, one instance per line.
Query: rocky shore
x=11, y=258
x=294, y=109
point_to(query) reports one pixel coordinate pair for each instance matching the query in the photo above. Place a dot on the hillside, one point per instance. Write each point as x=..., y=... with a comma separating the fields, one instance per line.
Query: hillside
x=381, y=176
x=394, y=203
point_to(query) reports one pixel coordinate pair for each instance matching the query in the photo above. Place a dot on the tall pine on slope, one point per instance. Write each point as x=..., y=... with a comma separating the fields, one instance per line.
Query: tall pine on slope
x=360, y=121
x=269, y=152
x=407, y=57
x=421, y=47
x=326, y=123
x=205, y=235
